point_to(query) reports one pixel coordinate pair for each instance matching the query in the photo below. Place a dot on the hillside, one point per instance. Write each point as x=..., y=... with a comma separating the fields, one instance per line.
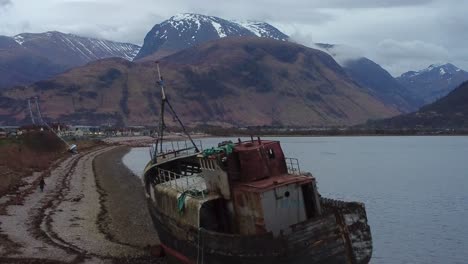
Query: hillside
x=376, y=80
x=21, y=66
x=380, y=83
x=231, y=81
x=450, y=111
x=30, y=57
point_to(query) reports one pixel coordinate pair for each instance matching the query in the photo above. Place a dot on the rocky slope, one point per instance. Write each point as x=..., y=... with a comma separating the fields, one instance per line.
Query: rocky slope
x=375, y=80
x=186, y=30
x=450, y=111
x=29, y=57
x=434, y=82
x=380, y=83
x=230, y=81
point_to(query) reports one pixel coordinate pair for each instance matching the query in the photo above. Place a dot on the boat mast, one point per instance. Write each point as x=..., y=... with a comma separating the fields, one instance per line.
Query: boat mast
x=162, y=124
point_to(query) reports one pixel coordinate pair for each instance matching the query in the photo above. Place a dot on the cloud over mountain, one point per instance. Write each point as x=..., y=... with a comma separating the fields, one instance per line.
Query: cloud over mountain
x=371, y=25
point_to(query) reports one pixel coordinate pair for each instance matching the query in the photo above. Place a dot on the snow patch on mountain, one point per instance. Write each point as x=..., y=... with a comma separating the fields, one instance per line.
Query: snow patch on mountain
x=219, y=29
x=88, y=48
x=254, y=27
x=441, y=69
x=224, y=28
x=19, y=39
x=262, y=29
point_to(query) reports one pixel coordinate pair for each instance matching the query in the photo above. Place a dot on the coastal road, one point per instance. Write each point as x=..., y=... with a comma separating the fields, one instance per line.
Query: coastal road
x=92, y=210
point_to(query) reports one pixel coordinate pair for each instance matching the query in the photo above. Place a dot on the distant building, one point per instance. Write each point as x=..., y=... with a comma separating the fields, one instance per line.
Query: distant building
x=3, y=133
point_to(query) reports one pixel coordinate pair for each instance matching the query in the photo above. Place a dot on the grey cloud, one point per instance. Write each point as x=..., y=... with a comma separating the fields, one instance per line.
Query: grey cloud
x=273, y=10
x=401, y=56
x=345, y=53
x=400, y=35
x=414, y=49
x=372, y=3
x=341, y=53
x=5, y=4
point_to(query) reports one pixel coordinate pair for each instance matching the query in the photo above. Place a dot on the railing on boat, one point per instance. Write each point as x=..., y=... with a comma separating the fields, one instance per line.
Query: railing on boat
x=293, y=166
x=176, y=148
x=182, y=183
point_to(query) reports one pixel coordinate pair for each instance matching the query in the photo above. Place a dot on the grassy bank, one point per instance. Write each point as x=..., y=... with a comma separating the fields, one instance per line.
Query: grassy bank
x=34, y=151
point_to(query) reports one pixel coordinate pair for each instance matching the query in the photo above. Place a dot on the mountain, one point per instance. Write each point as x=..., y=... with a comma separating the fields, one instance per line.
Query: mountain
x=230, y=81
x=381, y=84
x=375, y=80
x=21, y=66
x=30, y=57
x=73, y=50
x=185, y=30
x=450, y=111
x=263, y=30
x=434, y=82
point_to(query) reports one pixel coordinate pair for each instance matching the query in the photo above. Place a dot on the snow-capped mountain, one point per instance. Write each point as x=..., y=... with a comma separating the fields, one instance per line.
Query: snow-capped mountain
x=70, y=49
x=185, y=30
x=434, y=82
x=264, y=30
x=29, y=57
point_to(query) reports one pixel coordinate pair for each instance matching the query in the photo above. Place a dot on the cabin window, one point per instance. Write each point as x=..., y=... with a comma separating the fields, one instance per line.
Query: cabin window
x=271, y=153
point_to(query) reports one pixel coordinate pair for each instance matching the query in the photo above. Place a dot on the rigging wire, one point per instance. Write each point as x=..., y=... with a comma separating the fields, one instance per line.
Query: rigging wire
x=162, y=124
x=71, y=148
x=31, y=113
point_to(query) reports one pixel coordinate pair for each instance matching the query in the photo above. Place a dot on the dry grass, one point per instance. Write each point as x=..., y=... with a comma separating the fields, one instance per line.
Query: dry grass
x=35, y=151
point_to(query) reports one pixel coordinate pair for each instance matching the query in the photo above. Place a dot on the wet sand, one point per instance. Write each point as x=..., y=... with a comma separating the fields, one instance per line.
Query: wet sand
x=92, y=210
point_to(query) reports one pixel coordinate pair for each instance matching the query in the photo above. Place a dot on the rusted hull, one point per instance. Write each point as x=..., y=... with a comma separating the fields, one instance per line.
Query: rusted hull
x=333, y=238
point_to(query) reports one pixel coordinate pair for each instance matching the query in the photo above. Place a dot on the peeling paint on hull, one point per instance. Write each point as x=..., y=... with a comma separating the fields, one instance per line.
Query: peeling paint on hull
x=339, y=236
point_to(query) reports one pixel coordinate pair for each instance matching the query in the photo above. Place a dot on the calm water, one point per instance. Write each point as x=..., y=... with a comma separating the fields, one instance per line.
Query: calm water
x=415, y=189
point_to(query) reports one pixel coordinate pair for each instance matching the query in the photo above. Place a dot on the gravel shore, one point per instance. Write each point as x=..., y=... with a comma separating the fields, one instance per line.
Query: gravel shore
x=127, y=219
x=92, y=210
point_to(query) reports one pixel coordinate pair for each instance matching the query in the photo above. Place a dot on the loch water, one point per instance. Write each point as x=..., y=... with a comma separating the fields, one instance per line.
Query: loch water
x=415, y=189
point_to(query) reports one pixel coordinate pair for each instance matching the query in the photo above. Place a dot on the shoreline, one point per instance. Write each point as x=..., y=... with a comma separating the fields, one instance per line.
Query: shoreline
x=127, y=220
x=86, y=213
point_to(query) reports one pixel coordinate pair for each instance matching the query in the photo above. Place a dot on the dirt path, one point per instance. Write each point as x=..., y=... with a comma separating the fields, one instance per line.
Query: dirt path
x=64, y=223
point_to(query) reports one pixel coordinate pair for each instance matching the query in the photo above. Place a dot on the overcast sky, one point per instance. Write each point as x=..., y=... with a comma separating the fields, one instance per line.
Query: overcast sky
x=400, y=35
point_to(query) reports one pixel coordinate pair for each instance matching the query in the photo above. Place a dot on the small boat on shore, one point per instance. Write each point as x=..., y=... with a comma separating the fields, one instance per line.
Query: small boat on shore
x=245, y=202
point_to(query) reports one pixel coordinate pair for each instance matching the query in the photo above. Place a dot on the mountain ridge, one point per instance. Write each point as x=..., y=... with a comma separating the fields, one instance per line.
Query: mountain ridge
x=433, y=82
x=188, y=29
x=376, y=80
x=259, y=81
x=449, y=112
x=30, y=57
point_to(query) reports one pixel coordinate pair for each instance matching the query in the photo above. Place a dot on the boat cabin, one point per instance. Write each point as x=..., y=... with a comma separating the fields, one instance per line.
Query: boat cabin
x=247, y=188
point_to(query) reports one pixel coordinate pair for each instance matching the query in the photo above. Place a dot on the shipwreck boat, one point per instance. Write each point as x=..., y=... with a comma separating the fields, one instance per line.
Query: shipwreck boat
x=245, y=202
